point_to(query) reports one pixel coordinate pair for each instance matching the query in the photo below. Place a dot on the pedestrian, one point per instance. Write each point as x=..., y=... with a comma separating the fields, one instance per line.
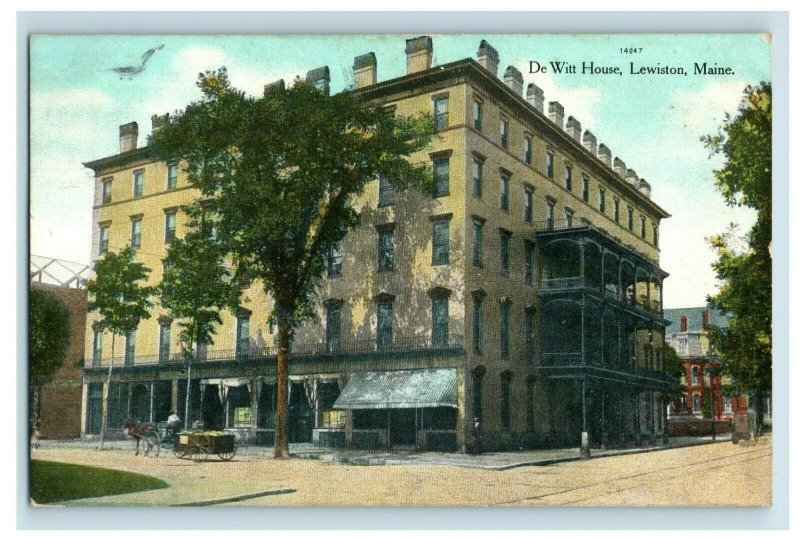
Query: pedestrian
x=477, y=435
x=173, y=422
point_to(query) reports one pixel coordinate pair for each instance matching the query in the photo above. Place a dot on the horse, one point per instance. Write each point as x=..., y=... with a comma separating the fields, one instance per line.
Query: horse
x=146, y=432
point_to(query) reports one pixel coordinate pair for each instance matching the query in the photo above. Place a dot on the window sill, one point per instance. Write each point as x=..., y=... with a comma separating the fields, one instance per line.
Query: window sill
x=439, y=264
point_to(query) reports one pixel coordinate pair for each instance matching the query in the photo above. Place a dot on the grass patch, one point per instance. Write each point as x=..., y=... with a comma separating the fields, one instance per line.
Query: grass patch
x=58, y=482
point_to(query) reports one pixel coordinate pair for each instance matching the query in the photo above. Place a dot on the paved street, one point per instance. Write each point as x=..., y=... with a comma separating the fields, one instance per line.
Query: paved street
x=720, y=474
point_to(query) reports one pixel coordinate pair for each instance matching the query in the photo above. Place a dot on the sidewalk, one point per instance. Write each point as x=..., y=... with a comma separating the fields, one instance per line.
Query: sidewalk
x=490, y=461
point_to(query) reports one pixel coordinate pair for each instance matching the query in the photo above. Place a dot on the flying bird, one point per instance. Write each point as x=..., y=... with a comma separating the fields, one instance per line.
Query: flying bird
x=129, y=72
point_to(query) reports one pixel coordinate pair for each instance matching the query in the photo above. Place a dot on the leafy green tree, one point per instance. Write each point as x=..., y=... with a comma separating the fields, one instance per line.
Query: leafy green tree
x=49, y=339
x=280, y=174
x=673, y=365
x=745, y=346
x=195, y=288
x=117, y=294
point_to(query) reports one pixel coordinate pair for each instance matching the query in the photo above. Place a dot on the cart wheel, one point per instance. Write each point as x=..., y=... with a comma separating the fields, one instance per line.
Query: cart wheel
x=179, y=452
x=735, y=438
x=227, y=456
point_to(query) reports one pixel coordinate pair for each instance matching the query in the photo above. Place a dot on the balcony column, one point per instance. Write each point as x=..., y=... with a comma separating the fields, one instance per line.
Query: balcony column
x=255, y=395
x=584, y=432
x=173, y=403
x=638, y=436
x=649, y=279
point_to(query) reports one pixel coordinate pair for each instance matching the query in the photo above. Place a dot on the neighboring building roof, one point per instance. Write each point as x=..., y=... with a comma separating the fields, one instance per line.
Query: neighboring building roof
x=694, y=317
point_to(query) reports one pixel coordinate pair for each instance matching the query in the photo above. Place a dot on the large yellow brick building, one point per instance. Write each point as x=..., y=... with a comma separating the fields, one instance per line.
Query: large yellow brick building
x=519, y=306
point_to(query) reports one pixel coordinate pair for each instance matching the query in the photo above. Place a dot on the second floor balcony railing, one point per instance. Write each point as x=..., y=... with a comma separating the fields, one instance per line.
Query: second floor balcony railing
x=300, y=349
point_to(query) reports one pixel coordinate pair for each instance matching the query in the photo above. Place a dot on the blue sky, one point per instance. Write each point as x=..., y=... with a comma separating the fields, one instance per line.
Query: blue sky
x=651, y=122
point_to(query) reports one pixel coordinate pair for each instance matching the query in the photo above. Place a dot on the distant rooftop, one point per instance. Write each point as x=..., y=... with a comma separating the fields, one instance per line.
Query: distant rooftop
x=694, y=318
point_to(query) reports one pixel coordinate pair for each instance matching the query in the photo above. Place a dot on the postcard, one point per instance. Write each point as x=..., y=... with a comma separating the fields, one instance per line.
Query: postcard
x=401, y=270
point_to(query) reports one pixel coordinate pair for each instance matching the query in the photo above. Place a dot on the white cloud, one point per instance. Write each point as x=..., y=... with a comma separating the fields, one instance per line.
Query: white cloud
x=702, y=111
x=70, y=98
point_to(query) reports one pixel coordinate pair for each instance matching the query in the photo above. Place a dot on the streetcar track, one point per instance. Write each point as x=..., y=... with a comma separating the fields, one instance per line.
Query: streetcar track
x=633, y=476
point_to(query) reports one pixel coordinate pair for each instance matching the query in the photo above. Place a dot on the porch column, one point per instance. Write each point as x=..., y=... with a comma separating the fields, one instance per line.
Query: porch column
x=584, y=432
x=173, y=403
x=152, y=396
x=255, y=396
x=84, y=406
x=130, y=398
x=654, y=406
x=638, y=436
x=603, y=434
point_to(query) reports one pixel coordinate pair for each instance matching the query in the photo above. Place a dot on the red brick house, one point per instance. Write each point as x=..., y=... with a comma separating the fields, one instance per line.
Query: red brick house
x=688, y=335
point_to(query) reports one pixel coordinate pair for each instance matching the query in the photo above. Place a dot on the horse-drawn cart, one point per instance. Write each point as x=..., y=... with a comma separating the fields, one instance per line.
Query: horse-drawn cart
x=196, y=444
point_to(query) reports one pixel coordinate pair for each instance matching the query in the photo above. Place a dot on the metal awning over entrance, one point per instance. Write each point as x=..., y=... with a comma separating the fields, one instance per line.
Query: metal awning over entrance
x=430, y=388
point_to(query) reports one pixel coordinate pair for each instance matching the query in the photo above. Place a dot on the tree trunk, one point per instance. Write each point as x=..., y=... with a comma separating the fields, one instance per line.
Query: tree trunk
x=282, y=384
x=104, y=417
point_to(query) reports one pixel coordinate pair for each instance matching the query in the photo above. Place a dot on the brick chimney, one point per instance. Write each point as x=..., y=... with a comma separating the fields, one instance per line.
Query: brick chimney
x=128, y=137
x=419, y=54
x=574, y=128
x=683, y=324
x=644, y=187
x=619, y=167
x=705, y=320
x=488, y=57
x=556, y=113
x=535, y=97
x=590, y=142
x=632, y=178
x=513, y=80
x=320, y=78
x=276, y=86
x=159, y=121
x=604, y=154
x=365, y=70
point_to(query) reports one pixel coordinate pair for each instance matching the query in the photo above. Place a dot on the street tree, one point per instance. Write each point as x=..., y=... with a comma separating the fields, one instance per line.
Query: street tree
x=118, y=294
x=673, y=365
x=49, y=338
x=197, y=285
x=745, y=295
x=281, y=173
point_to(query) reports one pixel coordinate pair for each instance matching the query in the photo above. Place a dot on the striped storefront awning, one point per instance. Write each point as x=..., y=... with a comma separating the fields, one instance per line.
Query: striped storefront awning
x=429, y=388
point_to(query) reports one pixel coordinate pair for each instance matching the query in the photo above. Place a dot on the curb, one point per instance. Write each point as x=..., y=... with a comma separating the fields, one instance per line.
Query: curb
x=239, y=498
x=623, y=452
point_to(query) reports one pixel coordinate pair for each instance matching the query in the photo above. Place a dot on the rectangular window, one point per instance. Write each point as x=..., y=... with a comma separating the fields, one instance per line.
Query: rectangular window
x=333, y=327
x=106, y=190
x=528, y=149
x=695, y=375
x=696, y=404
x=385, y=316
x=529, y=205
x=505, y=330
x=103, y=239
x=568, y=178
x=440, y=113
x=335, y=259
x=169, y=226
x=172, y=176
x=551, y=210
x=385, y=250
x=163, y=342
x=242, y=336
x=441, y=242
x=549, y=164
x=441, y=172
x=585, y=188
x=530, y=335
x=385, y=192
x=138, y=183
x=130, y=347
x=136, y=233
x=630, y=219
x=529, y=255
x=505, y=251
x=726, y=404
x=477, y=242
x=504, y=132
x=440, y=312
x=97, y=348
x=655, y=235
x=505, y=401
x=616, y=210
x=643, y=223
x=477, y=114
x=165, y=267
x=601, y=200
x=568, y=216
x=477, y=177
x=504, y=187
x=477, y=324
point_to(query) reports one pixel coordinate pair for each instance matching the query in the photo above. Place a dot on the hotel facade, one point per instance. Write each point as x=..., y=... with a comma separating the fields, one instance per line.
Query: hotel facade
x=519, y=306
